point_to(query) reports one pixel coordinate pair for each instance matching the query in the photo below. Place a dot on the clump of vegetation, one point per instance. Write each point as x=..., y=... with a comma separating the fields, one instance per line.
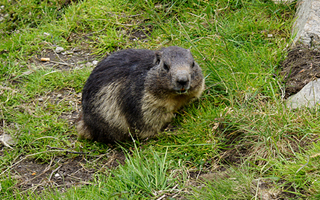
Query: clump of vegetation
x=238, y=141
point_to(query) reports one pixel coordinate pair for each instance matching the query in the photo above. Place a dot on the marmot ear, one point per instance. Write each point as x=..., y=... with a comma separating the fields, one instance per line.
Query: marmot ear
x=158, y=57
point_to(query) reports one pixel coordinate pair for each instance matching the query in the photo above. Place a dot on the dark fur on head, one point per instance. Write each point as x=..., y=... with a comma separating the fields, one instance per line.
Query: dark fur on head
x=137, y=90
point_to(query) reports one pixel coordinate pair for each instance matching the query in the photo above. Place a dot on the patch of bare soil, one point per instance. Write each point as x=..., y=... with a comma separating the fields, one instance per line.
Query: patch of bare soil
x=62, y=172
x=140, y=33
x=64, y=59
x=301, y=66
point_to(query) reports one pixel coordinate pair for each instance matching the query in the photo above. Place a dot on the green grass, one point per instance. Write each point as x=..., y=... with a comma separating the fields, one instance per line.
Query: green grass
x=239, y=124
x=235, y=184
x=142, y=176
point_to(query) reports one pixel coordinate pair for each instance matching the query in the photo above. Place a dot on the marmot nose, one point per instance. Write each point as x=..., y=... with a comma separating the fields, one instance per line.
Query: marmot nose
x=183, y=80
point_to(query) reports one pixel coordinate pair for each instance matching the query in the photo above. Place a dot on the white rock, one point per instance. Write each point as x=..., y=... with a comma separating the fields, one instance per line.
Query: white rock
x=7, y=140
x=306, y=28
x=94, y=62
x=59, y=49
x=308, y=96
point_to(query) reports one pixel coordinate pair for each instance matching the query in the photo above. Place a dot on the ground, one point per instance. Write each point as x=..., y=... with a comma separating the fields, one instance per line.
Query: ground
x=301, y=66
x=63, y=172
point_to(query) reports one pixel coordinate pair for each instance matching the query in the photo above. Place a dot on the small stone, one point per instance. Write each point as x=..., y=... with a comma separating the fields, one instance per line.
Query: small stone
x=7, y=140
x=94, y=62
x=59, y=49
x=270, y=35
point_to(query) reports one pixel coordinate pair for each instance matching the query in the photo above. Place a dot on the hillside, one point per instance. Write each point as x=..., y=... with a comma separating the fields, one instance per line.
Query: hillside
x=238, y=141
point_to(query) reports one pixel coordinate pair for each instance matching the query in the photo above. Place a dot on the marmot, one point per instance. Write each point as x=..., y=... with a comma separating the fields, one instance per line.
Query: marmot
x=137, y=91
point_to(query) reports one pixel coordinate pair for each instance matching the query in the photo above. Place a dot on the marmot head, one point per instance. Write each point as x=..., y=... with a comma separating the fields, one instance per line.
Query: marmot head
x=175, y=72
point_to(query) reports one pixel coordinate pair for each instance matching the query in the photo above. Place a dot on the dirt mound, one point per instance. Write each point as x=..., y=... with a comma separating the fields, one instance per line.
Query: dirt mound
x=301, y=66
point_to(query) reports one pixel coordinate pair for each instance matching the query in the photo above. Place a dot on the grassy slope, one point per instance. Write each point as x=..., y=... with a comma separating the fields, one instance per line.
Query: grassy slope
x=239, y=45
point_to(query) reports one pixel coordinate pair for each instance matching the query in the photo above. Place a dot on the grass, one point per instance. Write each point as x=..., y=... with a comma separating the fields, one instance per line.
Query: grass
x=140, y=176
x=239, y=131
x=235, y=184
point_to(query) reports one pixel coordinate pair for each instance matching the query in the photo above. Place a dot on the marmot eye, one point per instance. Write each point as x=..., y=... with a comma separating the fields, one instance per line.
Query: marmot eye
x=193, y=64
x=157, y=62
x=166, y=67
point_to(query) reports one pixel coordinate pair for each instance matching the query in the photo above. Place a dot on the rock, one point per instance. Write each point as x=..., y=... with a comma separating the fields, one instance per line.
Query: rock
x=308, y=96
x=306, y=28
x=7, y=140
x=59, y=49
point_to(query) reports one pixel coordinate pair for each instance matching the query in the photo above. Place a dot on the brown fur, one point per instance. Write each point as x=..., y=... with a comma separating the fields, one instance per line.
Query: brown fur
x=137, y=92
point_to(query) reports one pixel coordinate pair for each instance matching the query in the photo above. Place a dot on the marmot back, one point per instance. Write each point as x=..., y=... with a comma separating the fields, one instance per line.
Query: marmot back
x=137, y=91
